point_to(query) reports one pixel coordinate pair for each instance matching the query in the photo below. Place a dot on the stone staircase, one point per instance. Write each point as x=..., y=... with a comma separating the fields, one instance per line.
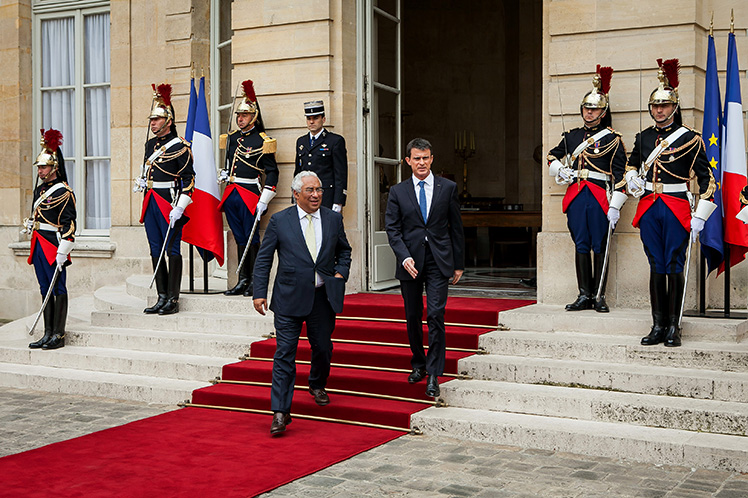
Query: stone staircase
x=582, y=383
x=114, y=350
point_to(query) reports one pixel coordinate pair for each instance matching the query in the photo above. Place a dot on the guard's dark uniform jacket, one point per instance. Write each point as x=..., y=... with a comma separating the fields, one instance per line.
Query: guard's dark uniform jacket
x=598, y=169
x=329, y=160
x=54, y=216
x=170, y=175
x=245, y=161
x=664, y=205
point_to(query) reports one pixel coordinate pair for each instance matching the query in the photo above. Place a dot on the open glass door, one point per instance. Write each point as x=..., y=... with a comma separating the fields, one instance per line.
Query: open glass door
x=382, y=125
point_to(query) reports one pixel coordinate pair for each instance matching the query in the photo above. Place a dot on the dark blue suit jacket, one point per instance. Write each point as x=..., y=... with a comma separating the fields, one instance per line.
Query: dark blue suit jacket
x=293, y=293
x=407, y=231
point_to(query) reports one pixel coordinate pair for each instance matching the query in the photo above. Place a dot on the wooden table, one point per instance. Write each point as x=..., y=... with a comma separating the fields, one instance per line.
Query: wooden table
x=531, y=220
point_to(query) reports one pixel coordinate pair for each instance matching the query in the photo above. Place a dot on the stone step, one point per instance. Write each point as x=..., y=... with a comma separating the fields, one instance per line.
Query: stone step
x=138, y=285
x=637, y=323
x=604, y=439
x=103, y=384
x=645, y=379
x=185, y=321
x=166, y=365
x=701, y=415
x=162, y=341
x=616, y=349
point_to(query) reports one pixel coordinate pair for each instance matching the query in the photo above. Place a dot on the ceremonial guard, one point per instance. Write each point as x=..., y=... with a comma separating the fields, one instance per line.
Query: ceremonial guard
x=665, y=158
x=591, y=160
x=324, y=153
x=250, y=152
x=168, y=180
x=52, y=227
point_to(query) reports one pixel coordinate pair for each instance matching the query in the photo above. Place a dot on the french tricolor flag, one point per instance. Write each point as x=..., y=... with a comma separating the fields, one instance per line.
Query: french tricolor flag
x=733, y=158
x=205, y=228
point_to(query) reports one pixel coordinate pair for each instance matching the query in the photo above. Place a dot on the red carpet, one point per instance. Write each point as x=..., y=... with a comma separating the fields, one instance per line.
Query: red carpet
x=218, y=452
x=188, y=452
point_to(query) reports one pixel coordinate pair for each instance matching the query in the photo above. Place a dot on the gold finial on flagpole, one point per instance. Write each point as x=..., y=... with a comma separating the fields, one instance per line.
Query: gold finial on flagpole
x=711, y=26
x=192, y=70
x=732, y=21
x=202, y=72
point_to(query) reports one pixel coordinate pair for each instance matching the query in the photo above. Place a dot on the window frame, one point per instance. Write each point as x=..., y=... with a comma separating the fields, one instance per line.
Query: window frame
x=44, y=10
x=216, y=45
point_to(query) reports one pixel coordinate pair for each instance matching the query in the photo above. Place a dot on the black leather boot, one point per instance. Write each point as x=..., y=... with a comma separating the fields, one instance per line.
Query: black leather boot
x=243, y=283
x=676, y=286
x=251, y=268
x=600, y=305
x=175, y=284
x=49, y=324
x=61, y=315
x=162, y=286
x=586, y=299
x=658, y=297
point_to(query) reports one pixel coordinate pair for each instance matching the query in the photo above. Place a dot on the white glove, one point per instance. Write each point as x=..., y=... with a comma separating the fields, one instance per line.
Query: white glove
x=60, y=260
x=697, y=225
x=613, y=216
x=337, y=207
x=564, y=175
x=635, y=184
x=261, y=208
x=223, y=177
x=140, y=184
x=743, y=215
x=174, y=215
x=28, y=225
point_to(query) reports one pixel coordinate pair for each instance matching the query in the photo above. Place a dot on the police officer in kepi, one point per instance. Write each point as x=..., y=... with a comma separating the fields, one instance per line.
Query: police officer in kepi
x=168, y=180
x=591, y=160
x=250, y=152
x=52, y=227
x=665, y=158
x=324, y=153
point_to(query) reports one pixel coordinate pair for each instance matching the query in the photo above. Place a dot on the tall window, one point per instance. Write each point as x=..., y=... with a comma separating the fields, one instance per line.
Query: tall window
x=220, y=69
x=71, y=83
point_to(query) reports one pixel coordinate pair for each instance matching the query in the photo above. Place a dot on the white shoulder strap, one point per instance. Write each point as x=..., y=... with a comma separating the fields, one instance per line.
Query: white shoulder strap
x=46, y=194
x=590, y=141
x=664, y=144
x=157, y=153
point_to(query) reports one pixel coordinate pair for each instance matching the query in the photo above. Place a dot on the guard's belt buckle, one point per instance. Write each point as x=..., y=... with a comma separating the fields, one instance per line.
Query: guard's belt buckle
x=583, y=174
x=149, y=184
x=36, y=225
x=232, y=178
x=658, y=187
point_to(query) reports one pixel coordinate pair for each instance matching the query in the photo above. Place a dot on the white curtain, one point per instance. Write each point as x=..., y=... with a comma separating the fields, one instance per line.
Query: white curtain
x=98, y=177
x=58, y=69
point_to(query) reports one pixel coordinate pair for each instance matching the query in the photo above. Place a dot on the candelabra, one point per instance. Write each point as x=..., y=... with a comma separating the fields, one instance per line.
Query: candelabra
x=465, y=148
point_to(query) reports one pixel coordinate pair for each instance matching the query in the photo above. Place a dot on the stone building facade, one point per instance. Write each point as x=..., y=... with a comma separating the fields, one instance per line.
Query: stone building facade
x=387, y=70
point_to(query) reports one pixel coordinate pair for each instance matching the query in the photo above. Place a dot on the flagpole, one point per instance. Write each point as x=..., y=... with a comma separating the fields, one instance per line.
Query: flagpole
x=702, y=284
x=727, y=280
x=192, y=268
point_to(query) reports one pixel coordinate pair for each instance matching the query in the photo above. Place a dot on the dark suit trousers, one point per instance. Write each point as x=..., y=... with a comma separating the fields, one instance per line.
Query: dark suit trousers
x=436, y=286
x=319, y=326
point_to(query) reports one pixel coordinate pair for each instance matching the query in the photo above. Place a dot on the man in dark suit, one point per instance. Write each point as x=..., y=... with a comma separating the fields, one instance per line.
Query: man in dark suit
x=323, y=152
x=314, y=259
x=424, y=229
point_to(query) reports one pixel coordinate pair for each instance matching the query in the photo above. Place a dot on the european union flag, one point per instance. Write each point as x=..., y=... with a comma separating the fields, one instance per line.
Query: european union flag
x=712, y=239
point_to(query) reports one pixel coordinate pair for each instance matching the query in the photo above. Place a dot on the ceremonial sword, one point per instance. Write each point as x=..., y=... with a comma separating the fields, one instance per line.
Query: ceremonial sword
x=160, y=256
x=249, y=243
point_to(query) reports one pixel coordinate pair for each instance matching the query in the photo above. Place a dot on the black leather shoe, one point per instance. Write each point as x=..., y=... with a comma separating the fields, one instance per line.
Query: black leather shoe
x=280, y=421
x=656, y=336
x=171, y=307
x=432, y=387
x=583, y=302
x=162, y=300
x=320, y=396
x=601, y=306
x=672, y=337
x=417, y=375
x=56, y=342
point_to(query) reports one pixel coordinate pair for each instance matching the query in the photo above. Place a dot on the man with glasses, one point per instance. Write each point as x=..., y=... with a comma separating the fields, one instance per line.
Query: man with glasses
x=314, y=260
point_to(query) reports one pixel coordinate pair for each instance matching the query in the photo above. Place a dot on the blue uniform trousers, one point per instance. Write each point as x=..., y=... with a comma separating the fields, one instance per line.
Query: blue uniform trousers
x=664, y=238
x=155, y=229
x=587, y=222
x=240, y=219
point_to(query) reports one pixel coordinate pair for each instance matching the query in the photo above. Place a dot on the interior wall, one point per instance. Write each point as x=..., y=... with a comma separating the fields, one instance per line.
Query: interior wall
x=477, y=69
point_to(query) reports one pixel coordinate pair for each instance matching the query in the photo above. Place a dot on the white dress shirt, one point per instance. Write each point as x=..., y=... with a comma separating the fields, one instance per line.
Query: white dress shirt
x=317, y=224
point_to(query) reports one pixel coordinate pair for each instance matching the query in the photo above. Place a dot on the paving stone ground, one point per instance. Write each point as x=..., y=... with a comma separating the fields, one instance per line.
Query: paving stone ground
x=422, y=466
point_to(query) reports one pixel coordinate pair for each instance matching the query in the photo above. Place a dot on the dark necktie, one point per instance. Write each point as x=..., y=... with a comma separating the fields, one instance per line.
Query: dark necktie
x=311, y=141
x=422, y=200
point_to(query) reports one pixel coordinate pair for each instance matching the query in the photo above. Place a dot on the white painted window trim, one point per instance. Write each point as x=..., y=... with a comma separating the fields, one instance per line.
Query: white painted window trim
x=77, y=9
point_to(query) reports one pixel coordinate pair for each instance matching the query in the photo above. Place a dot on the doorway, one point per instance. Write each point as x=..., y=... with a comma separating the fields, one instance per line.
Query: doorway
x=468, y=78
